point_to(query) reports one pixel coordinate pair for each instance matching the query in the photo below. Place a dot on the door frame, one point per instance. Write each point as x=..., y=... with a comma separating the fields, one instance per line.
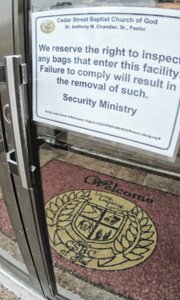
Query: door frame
x=23, y=202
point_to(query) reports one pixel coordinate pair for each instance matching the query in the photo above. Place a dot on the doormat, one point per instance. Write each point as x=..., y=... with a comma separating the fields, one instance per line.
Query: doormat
x=120, y=236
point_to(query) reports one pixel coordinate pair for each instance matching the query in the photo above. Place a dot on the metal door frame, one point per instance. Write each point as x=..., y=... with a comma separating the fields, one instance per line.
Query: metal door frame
x=23, y=195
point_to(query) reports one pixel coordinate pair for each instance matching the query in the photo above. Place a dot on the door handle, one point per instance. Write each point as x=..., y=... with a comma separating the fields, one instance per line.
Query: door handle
x=12, y=163
x=15, y=76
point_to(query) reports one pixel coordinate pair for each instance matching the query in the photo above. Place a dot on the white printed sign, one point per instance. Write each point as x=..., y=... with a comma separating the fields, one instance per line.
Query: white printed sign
x=113, y=73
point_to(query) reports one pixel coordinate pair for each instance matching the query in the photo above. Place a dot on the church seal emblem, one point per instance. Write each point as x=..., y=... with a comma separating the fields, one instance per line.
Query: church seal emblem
x=99, y=230
x=47, y=26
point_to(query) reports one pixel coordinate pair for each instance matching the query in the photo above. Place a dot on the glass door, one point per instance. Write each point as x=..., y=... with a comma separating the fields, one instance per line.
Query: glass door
x=11, y=227
x=103, y=200
x=100, y=218
x=18, y=228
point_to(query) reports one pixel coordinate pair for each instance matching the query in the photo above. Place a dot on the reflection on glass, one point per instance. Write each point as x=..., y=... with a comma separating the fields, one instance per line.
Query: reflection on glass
x=46, y=4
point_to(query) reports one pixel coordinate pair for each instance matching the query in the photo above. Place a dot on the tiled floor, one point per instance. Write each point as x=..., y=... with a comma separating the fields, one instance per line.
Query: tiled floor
x=6, y=294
